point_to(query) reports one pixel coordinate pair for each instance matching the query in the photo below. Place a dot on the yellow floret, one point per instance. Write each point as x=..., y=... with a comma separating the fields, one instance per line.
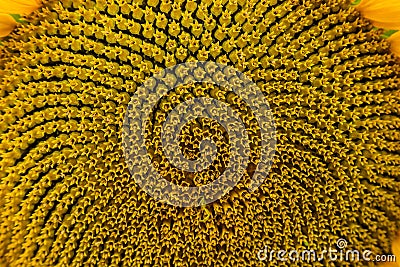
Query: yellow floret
x=67, y=197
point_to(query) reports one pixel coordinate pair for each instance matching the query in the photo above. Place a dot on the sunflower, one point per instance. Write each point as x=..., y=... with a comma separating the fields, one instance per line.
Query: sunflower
x=68, y=73
x=16, y=7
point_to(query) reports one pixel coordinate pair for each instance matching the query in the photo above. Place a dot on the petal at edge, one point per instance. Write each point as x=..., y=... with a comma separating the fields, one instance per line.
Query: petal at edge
x=395, y=47
x=18, y=7
x=7, y=24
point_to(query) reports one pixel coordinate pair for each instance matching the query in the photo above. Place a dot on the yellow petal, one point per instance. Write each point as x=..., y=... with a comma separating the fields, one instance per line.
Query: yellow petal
x=22, y=7
x=389, y=264
x=382, y=13
x=396, y=252
x=395, y=47
x=396, y=241
x=7, y=24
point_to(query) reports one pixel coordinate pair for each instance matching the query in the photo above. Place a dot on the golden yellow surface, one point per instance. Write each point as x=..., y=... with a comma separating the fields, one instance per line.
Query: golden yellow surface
x=67, y=197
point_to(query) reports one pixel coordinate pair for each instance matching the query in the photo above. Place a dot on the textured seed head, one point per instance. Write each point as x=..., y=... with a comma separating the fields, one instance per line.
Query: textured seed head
x=67, y=197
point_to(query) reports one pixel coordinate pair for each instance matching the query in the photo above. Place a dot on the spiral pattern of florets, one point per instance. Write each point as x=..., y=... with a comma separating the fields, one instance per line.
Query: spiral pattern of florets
x=67, y=197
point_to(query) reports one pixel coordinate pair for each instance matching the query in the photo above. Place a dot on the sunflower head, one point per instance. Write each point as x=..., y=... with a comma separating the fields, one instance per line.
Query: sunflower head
x=68, y=195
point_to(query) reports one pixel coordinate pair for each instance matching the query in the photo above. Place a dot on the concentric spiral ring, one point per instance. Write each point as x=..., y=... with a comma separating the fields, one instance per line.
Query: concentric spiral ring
x=341, y=243
x=159, y=85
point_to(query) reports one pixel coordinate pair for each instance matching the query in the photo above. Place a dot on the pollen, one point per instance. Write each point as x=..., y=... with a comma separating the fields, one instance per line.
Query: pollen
x=68, y=74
